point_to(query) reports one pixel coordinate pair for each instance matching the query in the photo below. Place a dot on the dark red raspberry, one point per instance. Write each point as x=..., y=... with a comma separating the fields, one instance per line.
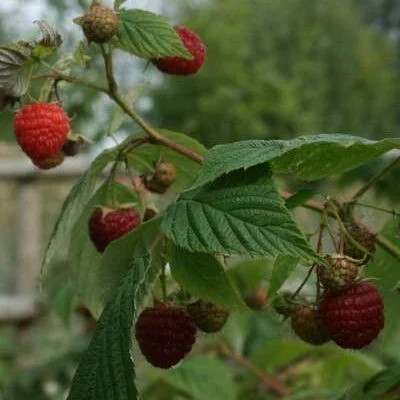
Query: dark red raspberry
x=165, y=334
x=107, y=224
x=307, y=324
x=354, y=317
x=207, y=316
x=41, y=129
x=50, y=162
x=180, y=65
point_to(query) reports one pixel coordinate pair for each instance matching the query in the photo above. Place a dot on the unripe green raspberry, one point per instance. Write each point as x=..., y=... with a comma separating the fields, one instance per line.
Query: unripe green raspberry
x=208, y=317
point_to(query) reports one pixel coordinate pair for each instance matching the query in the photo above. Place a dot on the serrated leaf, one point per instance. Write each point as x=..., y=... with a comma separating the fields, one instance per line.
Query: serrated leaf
x=204, y=276
x=106, y=371
x=85, y=259
x=193, y=378
x=142, y=159
x=308, y=157
x=148, y=35
x=385, y=270
x=241, y=213
x=72, y=208
x=284, y=265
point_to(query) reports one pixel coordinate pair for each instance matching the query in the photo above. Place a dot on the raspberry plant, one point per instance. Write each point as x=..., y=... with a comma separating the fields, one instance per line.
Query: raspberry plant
x=190, y=208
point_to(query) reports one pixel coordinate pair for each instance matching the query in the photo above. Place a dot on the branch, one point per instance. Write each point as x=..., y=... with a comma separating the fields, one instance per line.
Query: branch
x=276, y=386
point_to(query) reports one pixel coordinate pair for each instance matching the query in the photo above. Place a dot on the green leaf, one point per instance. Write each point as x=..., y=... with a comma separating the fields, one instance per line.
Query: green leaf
x=204, y=276
x=117, y=259
x=376, y=388
x=284, y=265
x=148, y=35
x=193, y=378
x=299, y=198
x=106, y=371
x=309, y=157
x=385, y=269
x=143, y=158
x=73, y=207
x=118, y=4
x=241, y=213
x=85, y=259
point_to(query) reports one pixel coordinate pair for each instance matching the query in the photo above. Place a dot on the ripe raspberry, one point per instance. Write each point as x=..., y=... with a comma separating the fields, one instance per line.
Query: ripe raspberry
x=50, y=162
x=258, y=299
x=307, y=324
x=353, y=318
x=99, y=24
x=364, y=237
x=162, y=179
x=106, y=224
x=341, y=273
x=165, y=334
x=208, y=317
x=41, y=129
x=180, y=65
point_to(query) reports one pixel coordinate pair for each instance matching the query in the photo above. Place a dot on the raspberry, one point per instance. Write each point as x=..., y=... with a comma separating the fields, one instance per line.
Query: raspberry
x=208, y=317
x=180, y=65
x=99, y=24
x=307, y=324
x=72, y=147
x=165, y=334
x=149, y=213
x=258, y=299
x=362, y=236
x=106, y=224
x=162, y=179
x=341, y=273
x=41, y=129
x=50, y=162
x=354, y=317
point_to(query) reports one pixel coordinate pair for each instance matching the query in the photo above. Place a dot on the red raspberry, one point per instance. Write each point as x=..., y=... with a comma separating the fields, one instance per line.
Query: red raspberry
x=41, y=129
x=354, y=317
x=106, y=224
x=180, y=65
x=165, y=334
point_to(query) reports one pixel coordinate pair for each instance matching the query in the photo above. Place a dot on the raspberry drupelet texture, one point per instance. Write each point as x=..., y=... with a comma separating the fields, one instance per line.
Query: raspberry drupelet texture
x=165, y=334
x=180, y=65
x=41, y=129
x=50, y=162
x=106, y=225
x=354, y=317
x=207, y=316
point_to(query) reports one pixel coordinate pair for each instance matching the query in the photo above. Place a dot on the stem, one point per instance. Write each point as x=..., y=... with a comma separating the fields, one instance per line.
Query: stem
x=319, y=249
x=376, y=178
x=381, y=240
x=273, y=384
x=163, y=281
x=108, y=64
x=310, y=271
x=325, y=217
x=392, y=212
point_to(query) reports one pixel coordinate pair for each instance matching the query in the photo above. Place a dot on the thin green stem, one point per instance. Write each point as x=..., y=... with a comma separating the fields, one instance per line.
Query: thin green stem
x=108, y=64
x=375, y=179
x=384, y=210
x=325, y=218
x=163, y=280
x=299, y=289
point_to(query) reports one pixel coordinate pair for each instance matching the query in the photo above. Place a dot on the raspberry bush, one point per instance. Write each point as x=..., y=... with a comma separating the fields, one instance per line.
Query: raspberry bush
x=144, y=251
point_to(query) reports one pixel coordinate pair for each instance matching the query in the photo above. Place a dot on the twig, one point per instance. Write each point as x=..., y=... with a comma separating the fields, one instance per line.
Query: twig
x=375, y=179
x=310, y=271
x=273, y=384
x=392, y=212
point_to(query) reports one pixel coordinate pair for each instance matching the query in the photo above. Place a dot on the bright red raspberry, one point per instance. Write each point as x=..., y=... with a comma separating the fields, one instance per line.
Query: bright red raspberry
x=41, y=129
x=180, y=65
x=354, y=317
x=165, y=334
x=106, y=224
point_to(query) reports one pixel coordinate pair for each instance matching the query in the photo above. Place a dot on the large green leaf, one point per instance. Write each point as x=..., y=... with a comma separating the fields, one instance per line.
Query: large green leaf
x=241, y=213
x=106, y=371
x=73, y=207
x=385, y=269
x=204, y=276
x=148, y=35
x=193, y=377
x=85, y=259
x=143, y=158
x=309, y=157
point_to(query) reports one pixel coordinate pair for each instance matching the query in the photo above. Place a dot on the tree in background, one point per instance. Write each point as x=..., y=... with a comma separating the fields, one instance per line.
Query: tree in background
x=276, y=69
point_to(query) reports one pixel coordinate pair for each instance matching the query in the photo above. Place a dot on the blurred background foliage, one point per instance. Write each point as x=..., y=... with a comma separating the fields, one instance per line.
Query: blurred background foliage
x=275, y=69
